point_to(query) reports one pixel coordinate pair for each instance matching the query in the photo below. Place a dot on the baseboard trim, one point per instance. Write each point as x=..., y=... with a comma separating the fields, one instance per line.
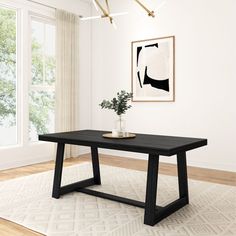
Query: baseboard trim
x=24, y=162
x=197, y=173
x=215, y=166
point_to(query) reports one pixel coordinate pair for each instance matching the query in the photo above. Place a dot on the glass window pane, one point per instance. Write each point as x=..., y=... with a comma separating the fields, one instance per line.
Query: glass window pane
x=37, y=42
x=42, y=86
x=50, y=40
x=41, y=111
x=50, y=62
x=50, y=71
x=8, y=128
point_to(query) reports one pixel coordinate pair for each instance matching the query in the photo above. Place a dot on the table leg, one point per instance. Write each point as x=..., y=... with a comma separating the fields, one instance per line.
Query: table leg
x=151, y=190
x=95, y=163
x=58, y=170
x=182, y=176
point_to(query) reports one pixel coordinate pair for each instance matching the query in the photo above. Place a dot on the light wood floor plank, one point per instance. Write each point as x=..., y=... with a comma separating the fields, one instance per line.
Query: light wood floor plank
x=8, y=228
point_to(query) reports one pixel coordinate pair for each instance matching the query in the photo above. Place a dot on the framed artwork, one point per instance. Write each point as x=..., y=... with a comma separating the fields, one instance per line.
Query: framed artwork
x=153, y=70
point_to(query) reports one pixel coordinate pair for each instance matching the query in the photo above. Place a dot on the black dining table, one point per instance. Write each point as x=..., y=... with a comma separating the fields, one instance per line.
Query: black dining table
x=152, y=145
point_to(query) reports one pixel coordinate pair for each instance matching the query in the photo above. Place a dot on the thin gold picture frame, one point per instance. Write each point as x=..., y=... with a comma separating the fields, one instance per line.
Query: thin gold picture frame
x=132, y=74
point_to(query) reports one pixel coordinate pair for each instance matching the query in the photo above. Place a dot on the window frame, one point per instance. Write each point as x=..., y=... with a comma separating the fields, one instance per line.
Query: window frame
x=25, y=152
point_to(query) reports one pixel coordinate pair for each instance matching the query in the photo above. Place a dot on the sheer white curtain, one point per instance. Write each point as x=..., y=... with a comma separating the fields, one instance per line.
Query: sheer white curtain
x=67, y=40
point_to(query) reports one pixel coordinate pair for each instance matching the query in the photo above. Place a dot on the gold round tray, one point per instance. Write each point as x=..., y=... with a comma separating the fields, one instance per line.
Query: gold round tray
x=127, y=135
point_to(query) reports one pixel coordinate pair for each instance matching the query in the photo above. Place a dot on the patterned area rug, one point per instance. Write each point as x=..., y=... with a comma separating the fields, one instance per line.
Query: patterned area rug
x=27, y=201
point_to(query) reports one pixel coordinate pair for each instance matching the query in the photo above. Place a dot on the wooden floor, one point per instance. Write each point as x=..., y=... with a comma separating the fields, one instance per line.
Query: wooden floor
x=11, y=229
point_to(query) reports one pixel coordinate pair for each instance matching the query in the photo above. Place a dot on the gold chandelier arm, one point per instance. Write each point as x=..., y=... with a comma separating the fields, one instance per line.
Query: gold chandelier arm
x=150, y=13
x=95, y=5
x=105, y=13
x=108, y=10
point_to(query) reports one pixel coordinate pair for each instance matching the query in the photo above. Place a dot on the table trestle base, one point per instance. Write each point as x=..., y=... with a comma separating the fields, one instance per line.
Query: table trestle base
x=152, y=213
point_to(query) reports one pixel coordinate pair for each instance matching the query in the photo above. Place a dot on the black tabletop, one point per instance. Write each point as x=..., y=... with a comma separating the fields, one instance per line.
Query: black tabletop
x=143, y=143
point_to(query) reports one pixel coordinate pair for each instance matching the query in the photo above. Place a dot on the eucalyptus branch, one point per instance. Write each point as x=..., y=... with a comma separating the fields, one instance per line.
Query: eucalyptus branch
x=119, y=104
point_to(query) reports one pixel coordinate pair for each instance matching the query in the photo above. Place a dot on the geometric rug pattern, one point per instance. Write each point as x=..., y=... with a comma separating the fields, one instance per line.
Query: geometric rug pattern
x=27, y=201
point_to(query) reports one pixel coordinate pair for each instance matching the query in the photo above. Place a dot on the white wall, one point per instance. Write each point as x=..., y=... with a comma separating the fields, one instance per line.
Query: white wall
x=205, y=75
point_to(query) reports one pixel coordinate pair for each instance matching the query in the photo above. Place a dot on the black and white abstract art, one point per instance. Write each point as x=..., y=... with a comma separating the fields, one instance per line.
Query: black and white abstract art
x=153, y=69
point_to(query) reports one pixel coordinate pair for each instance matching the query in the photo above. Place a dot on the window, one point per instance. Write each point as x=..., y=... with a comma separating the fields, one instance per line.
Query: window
x=42, y=82
x=8, y=77
x=27, y=82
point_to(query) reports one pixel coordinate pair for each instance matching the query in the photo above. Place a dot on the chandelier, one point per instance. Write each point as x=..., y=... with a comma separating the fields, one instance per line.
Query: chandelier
x=105, y=11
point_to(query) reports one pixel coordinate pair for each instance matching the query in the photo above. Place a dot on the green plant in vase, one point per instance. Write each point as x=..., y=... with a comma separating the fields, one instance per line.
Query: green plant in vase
x=120, y=105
